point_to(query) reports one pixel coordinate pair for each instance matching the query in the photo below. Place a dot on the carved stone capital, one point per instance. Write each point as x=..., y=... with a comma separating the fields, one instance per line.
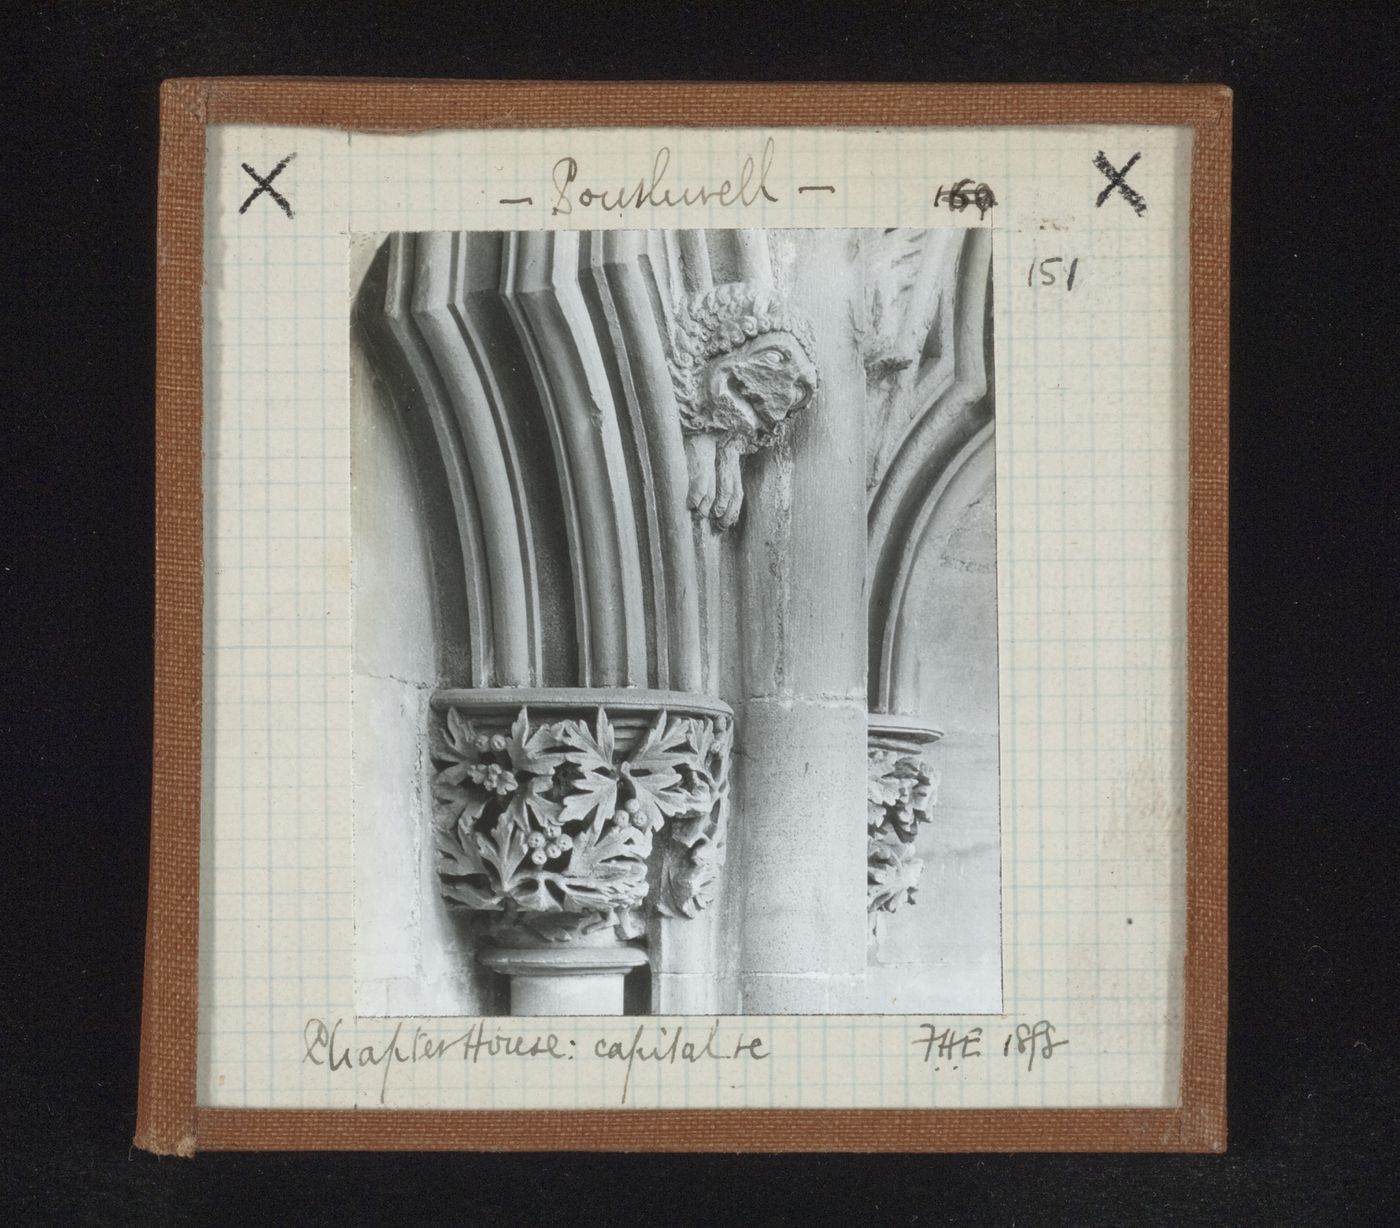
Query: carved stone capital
x=564, y=814
x=900, y=799
x=743, y=362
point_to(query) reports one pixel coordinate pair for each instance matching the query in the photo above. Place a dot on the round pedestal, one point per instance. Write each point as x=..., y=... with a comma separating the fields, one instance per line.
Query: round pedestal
x=565, y=980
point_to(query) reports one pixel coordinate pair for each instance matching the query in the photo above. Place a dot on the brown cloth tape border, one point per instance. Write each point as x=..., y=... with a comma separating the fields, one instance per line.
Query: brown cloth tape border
x=168, y=1120
x=770, y=1130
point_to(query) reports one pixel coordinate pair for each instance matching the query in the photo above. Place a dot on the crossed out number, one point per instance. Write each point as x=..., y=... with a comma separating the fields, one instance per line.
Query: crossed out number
x=1116, y=180
x=264, y=183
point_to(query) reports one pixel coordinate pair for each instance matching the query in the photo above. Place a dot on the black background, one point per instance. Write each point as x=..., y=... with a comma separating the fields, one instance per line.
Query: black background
x=1313, y=1069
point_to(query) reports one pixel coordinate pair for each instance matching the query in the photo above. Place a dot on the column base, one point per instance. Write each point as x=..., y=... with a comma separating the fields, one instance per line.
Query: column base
x=565, y=980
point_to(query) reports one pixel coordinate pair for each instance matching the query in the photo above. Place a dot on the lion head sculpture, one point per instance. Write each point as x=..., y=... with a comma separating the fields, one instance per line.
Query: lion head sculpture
x=743, y=364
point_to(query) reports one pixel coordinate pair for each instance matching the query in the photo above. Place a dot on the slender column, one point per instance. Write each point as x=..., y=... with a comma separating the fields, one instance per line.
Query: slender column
x=801, y=778
x=685, y=957
x=576, y=980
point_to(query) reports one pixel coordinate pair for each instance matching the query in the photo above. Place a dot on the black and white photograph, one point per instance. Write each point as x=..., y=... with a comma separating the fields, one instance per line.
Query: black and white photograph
x=675, y=684
x=545, y=681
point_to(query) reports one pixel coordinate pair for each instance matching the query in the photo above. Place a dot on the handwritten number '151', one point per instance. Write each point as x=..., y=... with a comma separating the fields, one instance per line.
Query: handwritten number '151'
x=1048, y=274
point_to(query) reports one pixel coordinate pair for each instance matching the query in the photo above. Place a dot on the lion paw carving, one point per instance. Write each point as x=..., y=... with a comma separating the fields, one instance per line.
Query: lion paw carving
x=743, y=362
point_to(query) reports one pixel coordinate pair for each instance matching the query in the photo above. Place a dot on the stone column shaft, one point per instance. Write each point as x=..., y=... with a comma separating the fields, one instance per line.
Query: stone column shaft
x=800, y=775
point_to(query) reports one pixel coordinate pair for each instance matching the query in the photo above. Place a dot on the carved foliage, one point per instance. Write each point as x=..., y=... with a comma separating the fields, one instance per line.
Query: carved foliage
x=694, y=852
x=556, y=818
x=890, y=340
x=743, y=363
x=900, y=797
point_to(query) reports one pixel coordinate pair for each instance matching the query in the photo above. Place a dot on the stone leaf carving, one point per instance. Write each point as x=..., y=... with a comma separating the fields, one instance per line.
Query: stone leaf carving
x=900, y=798
x=889, y=345
x=743, y=363
x=553, y=822
x=694, y=852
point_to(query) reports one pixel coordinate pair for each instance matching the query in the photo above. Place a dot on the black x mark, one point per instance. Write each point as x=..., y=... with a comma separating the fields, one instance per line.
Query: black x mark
x=264, y=183
x=1115, y=180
